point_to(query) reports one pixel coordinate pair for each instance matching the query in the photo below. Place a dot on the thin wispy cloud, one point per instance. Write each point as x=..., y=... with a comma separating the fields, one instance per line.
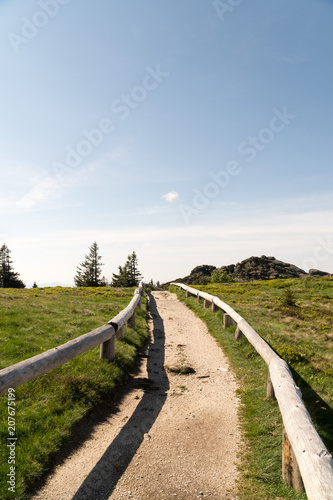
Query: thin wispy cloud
x=44, y=192
x=155, y=210
x=120, y=154
x=17, y=174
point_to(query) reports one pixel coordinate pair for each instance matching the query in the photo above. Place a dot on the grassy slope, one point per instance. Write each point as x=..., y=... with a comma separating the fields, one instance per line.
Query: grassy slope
x=32, y=321
x=303, y=336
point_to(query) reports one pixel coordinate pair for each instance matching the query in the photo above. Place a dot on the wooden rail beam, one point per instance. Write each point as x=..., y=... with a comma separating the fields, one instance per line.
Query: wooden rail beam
x=26, y=370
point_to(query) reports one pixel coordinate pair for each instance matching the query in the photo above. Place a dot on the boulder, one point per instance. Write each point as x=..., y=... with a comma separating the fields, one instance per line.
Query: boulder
x=200, y=275
x=203, y=270
x=317, y=273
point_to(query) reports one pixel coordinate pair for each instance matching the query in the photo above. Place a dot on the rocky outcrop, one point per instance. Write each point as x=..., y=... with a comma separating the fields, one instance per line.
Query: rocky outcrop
x=263, y=268
x=316, y=273
x=200, y=275
x=251, y=269
x=202, y=270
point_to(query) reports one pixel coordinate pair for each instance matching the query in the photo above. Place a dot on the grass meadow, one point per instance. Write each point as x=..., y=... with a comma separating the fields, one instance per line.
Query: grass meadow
x=47, y=408
x=295, y=317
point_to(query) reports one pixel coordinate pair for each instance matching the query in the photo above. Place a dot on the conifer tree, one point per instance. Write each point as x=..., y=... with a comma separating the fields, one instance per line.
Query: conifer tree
x=8, y=277
x=89, y=271
x=134, y=273
x=128, y=275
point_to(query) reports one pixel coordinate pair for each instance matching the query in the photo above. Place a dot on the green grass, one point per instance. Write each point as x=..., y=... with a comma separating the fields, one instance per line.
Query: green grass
x=302, y=334
x=47, y=408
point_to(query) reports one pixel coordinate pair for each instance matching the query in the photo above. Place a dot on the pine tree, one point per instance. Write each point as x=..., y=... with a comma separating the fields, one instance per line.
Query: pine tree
x=8, y=277
x=128, y=275
x=135, y=275
x=89, y=271
x=121, y=279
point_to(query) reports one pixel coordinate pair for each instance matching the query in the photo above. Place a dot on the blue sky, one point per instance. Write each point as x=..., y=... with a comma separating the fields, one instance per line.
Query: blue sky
x=193, y=132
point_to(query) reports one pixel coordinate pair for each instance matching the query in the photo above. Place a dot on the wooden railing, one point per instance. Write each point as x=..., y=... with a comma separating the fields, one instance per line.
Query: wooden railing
x=305, y=459
x=105, y=336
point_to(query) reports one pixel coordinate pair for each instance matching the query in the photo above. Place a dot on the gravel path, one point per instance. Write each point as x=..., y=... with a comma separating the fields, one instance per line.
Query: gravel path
x=172, y=435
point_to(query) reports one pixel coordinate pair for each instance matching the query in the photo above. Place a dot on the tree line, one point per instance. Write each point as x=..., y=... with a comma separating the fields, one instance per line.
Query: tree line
x=88, y=273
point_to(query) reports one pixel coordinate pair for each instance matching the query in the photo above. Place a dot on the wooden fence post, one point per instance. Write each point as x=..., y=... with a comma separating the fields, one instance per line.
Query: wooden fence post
x=238, y=334
x=206, y=304
x=227, y=321
x=187, y=293
x=290, y=471
x=270, y=389
x=131, y=321
x=108, y=349
x=214, y=307
x=121, y=332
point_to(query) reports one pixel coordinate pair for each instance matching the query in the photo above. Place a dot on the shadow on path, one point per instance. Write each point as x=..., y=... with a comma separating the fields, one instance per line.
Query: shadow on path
x=104, y=477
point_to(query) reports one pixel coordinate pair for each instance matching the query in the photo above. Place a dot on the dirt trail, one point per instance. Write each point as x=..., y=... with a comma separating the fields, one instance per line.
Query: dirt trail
x=172, y=435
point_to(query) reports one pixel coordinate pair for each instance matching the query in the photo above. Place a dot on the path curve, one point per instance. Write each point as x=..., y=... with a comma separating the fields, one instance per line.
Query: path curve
x=172, y=435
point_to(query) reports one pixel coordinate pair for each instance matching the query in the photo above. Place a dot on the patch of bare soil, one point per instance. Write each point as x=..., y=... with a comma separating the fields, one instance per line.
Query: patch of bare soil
x=174, y=434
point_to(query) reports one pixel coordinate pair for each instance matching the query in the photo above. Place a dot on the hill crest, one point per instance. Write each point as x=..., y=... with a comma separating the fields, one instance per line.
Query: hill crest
x=251, y=269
